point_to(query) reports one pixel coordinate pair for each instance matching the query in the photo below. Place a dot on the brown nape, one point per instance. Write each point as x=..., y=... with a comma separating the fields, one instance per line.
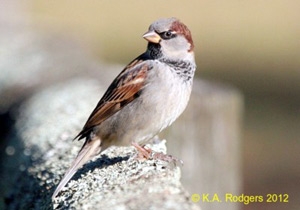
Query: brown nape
x=183, y=29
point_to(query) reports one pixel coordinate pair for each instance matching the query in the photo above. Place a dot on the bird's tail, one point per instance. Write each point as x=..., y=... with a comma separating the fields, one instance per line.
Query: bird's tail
x=87, y=152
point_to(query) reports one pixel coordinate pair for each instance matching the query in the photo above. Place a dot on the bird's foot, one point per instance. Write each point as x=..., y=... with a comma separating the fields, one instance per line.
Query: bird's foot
x=166, y=158
x=143, y=152
x=147, y=153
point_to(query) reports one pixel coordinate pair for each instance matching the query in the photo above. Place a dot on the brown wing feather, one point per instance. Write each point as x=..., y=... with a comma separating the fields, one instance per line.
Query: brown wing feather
x=124, y=89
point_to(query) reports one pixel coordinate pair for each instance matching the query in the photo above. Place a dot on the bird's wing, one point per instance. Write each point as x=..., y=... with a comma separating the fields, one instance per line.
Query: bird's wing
x=123, y=90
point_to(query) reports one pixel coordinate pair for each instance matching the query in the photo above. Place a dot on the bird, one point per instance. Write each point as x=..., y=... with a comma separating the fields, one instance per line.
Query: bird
x=148, y=95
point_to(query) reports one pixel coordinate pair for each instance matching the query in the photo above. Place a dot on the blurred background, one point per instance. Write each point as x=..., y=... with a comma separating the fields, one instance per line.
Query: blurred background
x=252, y=45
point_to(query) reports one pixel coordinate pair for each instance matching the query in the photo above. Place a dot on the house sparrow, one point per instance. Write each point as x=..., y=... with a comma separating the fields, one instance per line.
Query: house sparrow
x=146, y=97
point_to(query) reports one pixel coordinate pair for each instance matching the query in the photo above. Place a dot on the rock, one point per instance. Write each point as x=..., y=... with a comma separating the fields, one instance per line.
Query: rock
x=46, y=124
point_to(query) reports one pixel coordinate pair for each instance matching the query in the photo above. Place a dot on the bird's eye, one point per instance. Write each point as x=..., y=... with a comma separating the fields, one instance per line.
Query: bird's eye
x=167, y=35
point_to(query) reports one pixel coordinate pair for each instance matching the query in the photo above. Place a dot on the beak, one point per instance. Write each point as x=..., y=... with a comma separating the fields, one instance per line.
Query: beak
x=152, y=36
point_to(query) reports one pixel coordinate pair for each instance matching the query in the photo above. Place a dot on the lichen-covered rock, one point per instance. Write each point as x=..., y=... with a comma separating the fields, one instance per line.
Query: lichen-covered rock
x=116, y=179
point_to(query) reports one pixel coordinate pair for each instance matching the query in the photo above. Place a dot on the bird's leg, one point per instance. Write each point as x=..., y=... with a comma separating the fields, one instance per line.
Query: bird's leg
x=166, y=158
x=147, y=153
x=142, y=151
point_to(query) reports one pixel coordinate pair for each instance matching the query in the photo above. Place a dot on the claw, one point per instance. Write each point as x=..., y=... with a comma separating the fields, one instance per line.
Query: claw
x=142, y=151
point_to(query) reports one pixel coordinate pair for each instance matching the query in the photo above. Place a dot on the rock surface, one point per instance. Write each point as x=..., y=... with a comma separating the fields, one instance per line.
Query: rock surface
x=46, y=124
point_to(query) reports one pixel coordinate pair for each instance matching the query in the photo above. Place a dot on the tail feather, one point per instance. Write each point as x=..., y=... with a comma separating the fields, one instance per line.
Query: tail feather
x=87, y=152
